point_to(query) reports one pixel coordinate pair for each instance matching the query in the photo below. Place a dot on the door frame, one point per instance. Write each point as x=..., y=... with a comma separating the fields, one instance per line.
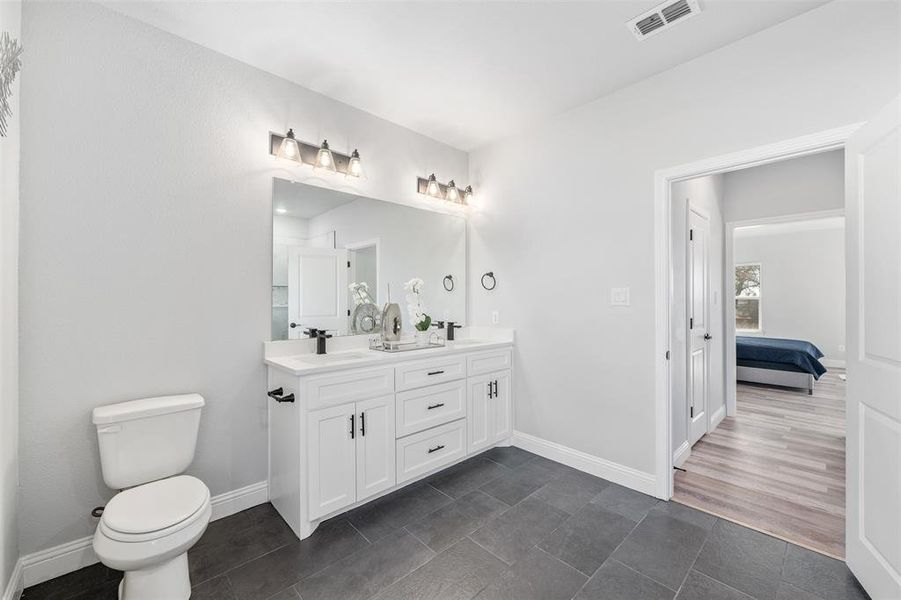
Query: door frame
x=729, y=264
x=824, y=141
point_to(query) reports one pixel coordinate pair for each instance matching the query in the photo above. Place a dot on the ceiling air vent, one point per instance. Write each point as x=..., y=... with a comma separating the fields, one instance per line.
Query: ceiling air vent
x=661, y=17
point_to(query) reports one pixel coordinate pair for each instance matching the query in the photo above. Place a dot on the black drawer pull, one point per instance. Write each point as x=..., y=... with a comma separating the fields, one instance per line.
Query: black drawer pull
x=435, y=372
x=278, y=395
x=439, y=405
x=436, y=449
x=352, y=426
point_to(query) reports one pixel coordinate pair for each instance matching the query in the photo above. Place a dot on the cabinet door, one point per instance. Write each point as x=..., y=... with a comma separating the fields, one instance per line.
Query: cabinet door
x=375, y=446
x=332, y=459
x=501, y=407
x=479, y=413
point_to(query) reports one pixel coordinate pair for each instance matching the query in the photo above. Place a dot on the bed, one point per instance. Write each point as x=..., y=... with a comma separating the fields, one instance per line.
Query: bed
x=776, y=361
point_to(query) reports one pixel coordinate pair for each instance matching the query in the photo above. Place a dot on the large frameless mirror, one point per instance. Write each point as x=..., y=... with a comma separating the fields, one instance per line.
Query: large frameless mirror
x=335, y=255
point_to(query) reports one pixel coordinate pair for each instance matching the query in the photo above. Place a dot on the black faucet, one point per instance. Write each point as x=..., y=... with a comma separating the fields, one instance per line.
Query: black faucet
x=450, y=328
x=320, y=335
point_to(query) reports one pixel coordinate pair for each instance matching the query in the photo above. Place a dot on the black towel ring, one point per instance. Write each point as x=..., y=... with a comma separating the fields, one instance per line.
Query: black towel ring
x=489, y=275
x=449, y=283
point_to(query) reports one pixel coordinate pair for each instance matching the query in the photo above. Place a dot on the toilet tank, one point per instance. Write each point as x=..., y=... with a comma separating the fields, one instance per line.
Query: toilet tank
x=148, y=439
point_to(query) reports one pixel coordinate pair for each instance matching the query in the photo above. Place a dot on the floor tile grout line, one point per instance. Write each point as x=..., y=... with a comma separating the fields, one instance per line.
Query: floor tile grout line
x=363, y=535
x=509, y=564
x=562, y=562
x=734, y=589
x=612, y=552
x=694, y=561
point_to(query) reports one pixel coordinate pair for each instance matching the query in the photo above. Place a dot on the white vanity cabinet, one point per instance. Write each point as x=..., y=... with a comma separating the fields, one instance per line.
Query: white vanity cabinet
x=359, y=430
x=351, y=453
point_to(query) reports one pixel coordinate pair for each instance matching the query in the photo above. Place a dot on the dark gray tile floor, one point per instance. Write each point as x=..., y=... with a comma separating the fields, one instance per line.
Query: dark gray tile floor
x=503, y=525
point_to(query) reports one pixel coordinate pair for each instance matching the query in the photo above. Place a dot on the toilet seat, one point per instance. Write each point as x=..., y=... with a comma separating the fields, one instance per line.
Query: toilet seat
x=155, y=510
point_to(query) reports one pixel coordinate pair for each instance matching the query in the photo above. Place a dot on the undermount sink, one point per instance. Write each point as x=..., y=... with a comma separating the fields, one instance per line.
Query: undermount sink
x=318, y=359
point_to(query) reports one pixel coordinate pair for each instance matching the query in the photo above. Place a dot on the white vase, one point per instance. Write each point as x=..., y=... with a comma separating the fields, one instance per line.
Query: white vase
x=422, y=338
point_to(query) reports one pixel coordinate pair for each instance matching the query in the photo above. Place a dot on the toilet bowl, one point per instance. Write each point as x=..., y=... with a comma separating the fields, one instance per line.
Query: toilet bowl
x=146, y=531
x=147, y=528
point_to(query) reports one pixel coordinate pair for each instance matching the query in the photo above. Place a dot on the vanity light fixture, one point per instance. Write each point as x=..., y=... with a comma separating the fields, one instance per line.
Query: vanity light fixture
x=432, y=187
x=449, y=191
x=355, y=167
x=452, y=194
x=323, y=158
x=289, y=149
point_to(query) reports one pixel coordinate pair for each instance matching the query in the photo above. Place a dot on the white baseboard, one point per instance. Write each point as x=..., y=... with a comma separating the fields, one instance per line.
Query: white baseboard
x=717, y=417
x=16, y=584
x=833, y=363
x=65, y=558
x=681, y=454
x=599, y=467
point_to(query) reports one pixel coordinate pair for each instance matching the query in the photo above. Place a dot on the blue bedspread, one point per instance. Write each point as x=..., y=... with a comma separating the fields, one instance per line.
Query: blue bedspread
x=801, y=355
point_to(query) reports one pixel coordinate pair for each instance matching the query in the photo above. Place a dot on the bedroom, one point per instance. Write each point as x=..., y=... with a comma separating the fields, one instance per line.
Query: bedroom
x=759, y=256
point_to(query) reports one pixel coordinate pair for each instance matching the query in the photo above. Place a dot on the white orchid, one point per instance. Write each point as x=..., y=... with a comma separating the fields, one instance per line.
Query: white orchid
x=415, y=308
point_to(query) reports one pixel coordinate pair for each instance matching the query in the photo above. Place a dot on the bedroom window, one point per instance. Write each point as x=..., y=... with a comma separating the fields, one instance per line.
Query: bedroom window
x=747, y=298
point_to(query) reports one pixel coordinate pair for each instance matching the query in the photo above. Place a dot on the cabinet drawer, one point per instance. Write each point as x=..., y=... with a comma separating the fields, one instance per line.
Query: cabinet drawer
x=426, y=372
x=332, y=389
x=489, y=361
x=430, y=449
x=430, y=406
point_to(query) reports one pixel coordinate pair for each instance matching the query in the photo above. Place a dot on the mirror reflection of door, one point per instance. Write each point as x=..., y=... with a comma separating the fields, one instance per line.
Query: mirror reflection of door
x=317, y=290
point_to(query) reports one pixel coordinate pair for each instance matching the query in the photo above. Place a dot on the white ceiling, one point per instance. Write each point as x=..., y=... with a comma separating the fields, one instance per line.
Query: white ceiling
x=464, y=73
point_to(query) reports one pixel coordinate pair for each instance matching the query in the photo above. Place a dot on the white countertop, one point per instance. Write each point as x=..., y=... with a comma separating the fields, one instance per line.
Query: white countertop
x=298, y=357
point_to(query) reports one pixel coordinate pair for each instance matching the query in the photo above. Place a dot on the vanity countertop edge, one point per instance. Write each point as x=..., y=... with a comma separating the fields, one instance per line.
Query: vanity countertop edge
x=294, y=364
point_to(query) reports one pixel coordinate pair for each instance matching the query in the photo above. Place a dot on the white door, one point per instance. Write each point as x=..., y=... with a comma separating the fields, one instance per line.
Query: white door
x=317, y=290
x=332, y=433
x=375, y=446
x=478, y=412
x=698, y=288
x=873, y=238
x=499, y=397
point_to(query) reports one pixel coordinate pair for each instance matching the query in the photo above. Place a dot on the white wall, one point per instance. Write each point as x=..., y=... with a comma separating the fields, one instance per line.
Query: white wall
x=10, y=21
x=567, y=209
x=801, y=185
x=146, y=244
x=706, y=195
x=291, y=227
x=802, y=282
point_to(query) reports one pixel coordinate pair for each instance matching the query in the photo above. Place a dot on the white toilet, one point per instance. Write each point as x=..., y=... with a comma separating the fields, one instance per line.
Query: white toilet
x=148, y=527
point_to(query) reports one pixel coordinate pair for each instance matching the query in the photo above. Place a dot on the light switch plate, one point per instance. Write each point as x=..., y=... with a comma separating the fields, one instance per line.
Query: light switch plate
x=619, y=296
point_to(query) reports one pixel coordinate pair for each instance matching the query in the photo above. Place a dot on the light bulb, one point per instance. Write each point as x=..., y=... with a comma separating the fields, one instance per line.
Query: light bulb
x=452, y=194
x=355, y=167
x=432, y=188
x=288, y=149
x=467, y=194
x=324, y=159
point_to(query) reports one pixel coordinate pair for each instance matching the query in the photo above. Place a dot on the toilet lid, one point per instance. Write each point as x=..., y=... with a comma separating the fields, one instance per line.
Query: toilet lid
x=156, y=505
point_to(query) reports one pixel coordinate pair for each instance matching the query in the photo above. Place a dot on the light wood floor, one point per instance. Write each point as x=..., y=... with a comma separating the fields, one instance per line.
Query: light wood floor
x=778, y=466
